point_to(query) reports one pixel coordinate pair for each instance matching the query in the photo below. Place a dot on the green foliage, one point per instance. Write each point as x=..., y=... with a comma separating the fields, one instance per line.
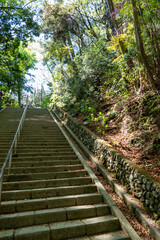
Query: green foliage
x=101, y=121
x=151, y=104
x=148, y=165
x=17, y=27
x=94, y=54
x=7, y=97
x=46, y=101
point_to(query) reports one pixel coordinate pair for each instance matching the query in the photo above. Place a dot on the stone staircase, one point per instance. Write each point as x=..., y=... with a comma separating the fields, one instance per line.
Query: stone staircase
x=49, y=195
x=9, y=120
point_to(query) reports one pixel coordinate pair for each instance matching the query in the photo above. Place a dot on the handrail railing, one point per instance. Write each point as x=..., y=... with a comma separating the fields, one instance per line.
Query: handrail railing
x=13, y=147
x=2, y=109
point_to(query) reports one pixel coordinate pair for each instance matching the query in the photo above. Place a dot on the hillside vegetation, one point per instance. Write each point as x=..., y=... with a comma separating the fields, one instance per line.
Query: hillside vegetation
x=104, y=59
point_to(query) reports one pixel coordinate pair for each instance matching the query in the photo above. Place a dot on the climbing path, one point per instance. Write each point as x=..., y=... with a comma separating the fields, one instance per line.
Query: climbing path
x=49, y=195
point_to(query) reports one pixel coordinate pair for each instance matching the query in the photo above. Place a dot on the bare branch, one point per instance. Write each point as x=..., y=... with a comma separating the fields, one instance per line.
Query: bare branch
x=11, y=8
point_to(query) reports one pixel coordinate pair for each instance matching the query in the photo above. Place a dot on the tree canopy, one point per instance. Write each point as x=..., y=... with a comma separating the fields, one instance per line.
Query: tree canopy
x=17, y=29
x=94, y=46
x=91, y=48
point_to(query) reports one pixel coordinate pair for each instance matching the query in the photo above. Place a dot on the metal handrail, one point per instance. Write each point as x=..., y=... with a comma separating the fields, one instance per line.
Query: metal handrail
x=13, y=147
x=2, y=109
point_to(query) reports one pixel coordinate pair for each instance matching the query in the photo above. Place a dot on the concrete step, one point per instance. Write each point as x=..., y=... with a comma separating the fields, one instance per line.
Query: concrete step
x=44, y=158
x=4, y=145
x=41, y=153
x=22, y=185
x=45, y=175
x=44, y=129
x=5, y=150
x=39, y=134
x=7, y=132
x=89, y=226
x=3, y=155
x=10, y=126
x=43, y=149
x=36, y=161
x=42, y=163
x=44, y=168
x=7, y=136
x=28, y=126
x=47, y=192
x=23, y=219
x=39, y=141
x=44, y=138
x=116, y=235
x=67, y=229
x=42, y=144
x=39, y=129
x=42, y=132
x=40, y=158
x=48, y=146
x=7, y=141
x=44, y=135
x=50, y=202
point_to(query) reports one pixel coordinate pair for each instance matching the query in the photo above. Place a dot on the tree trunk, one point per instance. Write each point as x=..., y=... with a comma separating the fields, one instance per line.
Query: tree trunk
x=140, y=43
x=109, y=18
x=156, y=42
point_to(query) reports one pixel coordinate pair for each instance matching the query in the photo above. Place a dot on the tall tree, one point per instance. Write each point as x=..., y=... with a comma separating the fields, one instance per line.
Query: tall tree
x=140, y=44
x=17, y=28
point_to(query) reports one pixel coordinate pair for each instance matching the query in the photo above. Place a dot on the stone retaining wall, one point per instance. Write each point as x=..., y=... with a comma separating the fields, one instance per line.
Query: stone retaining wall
x=136, y=180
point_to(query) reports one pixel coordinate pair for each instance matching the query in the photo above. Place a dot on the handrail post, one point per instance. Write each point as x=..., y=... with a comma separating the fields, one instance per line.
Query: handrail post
x=10, y=162
x=18, y=134
x=15, y=146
